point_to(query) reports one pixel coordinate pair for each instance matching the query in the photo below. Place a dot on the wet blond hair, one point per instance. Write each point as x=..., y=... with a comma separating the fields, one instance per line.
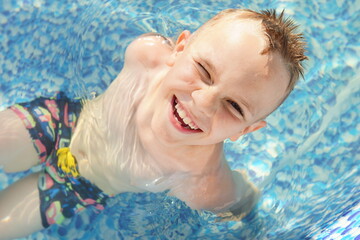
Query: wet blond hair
x=281, y=34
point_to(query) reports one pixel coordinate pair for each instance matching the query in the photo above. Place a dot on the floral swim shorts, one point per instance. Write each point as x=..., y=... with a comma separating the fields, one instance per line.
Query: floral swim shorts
x=51, y=122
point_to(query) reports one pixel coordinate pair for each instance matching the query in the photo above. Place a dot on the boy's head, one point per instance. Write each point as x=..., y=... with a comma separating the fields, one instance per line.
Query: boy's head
x=223, y=80
x=280, y=32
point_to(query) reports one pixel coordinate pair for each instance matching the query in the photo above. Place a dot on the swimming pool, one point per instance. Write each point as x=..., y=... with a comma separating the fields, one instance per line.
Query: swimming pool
x=306, y=161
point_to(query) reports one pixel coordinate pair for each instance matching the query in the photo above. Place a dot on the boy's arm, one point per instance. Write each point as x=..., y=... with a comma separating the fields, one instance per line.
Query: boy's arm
x=247, y=197
x=227, y=193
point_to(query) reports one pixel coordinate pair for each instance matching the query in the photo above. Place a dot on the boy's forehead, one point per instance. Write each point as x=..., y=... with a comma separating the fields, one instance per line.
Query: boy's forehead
x=232, y=28
x=232, y=35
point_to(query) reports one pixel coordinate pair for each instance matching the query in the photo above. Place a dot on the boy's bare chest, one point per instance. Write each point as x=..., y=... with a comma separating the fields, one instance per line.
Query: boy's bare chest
x=194, y=161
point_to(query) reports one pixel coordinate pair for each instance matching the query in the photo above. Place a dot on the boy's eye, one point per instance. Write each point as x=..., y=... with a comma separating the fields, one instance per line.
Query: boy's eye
x=236, y=107
x=204, y=72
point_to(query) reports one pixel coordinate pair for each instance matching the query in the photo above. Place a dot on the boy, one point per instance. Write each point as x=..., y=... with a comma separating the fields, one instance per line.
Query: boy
x=159, y=126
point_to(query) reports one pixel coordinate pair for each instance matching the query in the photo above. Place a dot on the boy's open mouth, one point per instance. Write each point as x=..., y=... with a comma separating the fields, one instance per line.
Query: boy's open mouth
x=182, y=118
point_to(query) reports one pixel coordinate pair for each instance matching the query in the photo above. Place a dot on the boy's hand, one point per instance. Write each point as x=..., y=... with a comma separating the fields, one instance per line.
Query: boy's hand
x=249, y=197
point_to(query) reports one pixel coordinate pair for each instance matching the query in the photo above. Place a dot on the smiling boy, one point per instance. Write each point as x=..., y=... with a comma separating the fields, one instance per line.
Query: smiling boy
x=161, y=124
x=219, y=83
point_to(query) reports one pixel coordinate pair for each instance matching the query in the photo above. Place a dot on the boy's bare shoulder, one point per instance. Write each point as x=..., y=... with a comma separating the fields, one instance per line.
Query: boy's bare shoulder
x=148, y=50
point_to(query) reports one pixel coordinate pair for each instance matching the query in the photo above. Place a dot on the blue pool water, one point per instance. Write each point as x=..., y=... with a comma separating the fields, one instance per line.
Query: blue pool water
x=306, y=162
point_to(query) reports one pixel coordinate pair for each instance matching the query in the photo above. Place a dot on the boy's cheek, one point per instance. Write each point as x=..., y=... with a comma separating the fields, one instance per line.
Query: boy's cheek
x=186, y=76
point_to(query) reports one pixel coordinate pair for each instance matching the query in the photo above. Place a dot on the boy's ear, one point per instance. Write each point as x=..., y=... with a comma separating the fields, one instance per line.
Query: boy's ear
x=179, y=46
x=253, y=127
x=182, y=40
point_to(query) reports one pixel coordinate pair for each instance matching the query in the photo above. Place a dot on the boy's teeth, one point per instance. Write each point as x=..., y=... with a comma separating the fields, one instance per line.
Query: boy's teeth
x=187, y=120
x=182, y=114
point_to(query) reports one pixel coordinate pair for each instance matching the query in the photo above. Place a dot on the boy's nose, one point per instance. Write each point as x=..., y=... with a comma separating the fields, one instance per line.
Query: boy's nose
x=206, y=100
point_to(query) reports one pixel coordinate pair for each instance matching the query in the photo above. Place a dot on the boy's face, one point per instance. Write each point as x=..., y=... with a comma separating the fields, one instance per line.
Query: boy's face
x=219, y=86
